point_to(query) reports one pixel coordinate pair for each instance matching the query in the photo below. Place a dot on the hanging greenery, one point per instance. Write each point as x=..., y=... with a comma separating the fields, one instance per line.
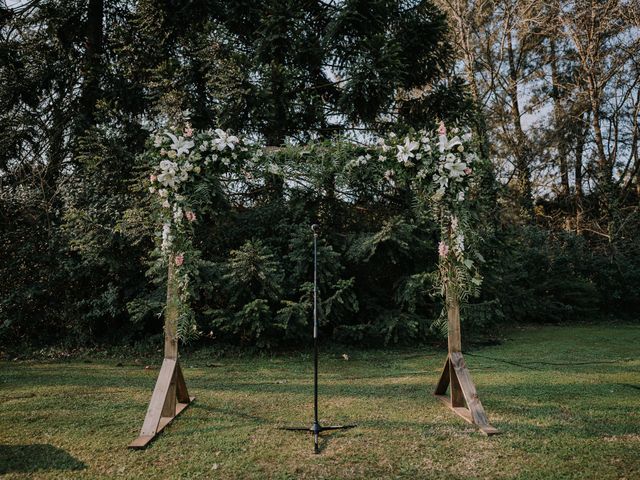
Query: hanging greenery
x=190, y=167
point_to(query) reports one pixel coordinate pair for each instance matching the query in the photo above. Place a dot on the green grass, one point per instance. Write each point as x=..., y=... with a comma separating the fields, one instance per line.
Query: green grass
x=567, y=400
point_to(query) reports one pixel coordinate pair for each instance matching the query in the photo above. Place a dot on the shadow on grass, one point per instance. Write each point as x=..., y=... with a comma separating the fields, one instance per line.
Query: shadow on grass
x=32, y=458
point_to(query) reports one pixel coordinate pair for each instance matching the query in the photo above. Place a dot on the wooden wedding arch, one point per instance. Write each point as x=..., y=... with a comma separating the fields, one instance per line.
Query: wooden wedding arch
x=170, y=396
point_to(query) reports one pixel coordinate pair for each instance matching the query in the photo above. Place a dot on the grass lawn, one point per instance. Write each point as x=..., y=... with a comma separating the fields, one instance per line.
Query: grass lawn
x=567, y=400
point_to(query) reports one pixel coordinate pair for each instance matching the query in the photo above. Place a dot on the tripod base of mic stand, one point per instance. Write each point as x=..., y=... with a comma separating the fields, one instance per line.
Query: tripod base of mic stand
x=316, y=429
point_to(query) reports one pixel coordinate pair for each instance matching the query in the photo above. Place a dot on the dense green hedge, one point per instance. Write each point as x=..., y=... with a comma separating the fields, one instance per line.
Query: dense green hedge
x=80, y=79
x=81, y=278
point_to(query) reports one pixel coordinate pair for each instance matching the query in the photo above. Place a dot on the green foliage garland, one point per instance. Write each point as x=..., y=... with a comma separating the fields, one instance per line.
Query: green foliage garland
x=188, y=166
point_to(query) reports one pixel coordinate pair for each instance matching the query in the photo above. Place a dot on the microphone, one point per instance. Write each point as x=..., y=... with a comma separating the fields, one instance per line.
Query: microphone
x=314, y=229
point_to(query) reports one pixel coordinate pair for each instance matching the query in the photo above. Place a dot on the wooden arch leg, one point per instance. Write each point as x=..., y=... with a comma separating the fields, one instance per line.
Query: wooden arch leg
x=170, y=396
x=463, y=399
x=457, y=378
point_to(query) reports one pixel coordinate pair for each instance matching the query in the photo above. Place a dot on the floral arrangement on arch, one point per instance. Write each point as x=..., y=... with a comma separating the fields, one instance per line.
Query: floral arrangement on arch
x=187, y=166
x=186, y=169
x=439, y=166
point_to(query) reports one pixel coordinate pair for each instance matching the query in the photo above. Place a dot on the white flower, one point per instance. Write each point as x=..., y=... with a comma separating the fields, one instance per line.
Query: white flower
x=461, y=196
x=225, y=140
x=204, y=146
x=470, y=157
x=186, y=167
x=405, y=151
x=383, y=145
x=455, y=141
x=442, y=143
x=163, y=193
x=166, y=204
x=180, y=145
x=177, y=214
x=381, y=158
x=157, y=141
x=441, y=180
x=184, y=176
x=167, y=238
x=466, y=137
x=361, y=160
x=422, y=173
x=454, y=223
x=152, y=189
x=274, y=169
x=168, y=165
x=456, y=168
x=168, y=175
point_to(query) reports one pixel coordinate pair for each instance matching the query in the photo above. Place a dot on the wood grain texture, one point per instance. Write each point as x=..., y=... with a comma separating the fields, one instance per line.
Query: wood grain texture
x=170, y=395
x=182, y=394
x=158, y=398
x=463, y=398
x=469, y=389
x=443, y=382
x=171, y=313
x=143, y=440
x=454, y=337
x=164, y=405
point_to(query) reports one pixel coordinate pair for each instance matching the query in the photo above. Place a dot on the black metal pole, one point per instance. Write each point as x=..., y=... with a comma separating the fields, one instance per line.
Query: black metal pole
x=316, y=428
x=316, y=423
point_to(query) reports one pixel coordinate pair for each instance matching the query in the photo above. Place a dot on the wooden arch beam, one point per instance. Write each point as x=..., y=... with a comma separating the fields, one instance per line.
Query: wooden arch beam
x=463, y=398
x=170, y=396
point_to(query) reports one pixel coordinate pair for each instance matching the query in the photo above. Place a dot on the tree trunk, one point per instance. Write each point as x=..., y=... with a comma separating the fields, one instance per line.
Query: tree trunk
x=92, y=70
x=559, y=116
x=583, y=130
x=522, y=151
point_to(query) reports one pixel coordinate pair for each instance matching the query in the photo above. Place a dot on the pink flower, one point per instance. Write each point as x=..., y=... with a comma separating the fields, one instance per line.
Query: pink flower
x=191, y=216
x=188, y=131
x=443, y=249
x=442, y=130
x=179, y=259
x=152, y=177
x=467, y=171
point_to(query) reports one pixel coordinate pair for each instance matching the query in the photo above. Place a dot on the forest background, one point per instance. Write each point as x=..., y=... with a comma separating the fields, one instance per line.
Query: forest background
x=550, y=89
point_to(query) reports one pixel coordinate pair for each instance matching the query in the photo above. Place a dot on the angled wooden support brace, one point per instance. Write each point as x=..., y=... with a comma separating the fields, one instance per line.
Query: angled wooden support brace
x=170, y=396
x=463, y=399
x=457, y=378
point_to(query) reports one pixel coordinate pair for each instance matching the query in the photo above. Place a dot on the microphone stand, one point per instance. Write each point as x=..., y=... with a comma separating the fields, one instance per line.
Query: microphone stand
x=316, y=428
